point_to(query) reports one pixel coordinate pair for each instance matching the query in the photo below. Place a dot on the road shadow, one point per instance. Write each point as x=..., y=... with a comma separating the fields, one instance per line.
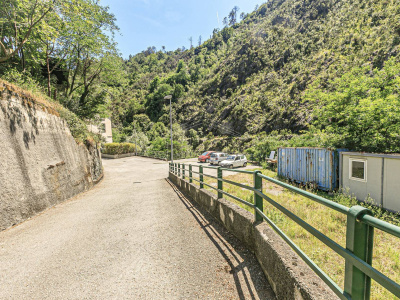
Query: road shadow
x=242, y=262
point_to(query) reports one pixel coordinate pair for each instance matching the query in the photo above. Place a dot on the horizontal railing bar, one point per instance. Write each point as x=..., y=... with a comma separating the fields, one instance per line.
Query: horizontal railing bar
x=226, y=193
x=319, y=235
x=336, y=206
x=238, y=199
x=239, y=185
x=336, y=289
x=238, y=171
x=230, y=195
x=360, y=264
x=210, y=176
x=210, y=167
x=210, y=186
x=382, y=225
x=194, y=179
x=225, y=169
x=367, y=219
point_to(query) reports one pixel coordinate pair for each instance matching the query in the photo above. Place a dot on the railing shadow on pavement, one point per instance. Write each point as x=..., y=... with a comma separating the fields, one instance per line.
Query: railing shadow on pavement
x=220, y=237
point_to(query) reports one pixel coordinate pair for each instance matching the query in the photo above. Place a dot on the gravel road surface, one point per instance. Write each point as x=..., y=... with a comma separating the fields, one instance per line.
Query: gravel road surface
x=133, y=236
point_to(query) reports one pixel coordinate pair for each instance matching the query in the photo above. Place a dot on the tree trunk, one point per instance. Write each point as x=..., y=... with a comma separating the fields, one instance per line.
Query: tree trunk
x=48, y=76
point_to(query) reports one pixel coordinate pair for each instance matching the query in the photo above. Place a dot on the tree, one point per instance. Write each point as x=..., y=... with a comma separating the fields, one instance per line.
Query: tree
x=191, y=42
x=92, y=51
x=362, y=108
x=225, y=21
x=19, y=20
x=158, y=130
x=233, y=16
x=193, y=138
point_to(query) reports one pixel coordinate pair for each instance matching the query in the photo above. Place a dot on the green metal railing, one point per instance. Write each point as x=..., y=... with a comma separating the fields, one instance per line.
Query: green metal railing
x=359, y=231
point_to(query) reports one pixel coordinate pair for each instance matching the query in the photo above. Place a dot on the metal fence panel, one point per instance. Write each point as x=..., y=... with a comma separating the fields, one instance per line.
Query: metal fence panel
x=315, y=166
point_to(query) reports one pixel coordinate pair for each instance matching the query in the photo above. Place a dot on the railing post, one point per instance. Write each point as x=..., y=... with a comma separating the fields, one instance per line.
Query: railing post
x=179, y=170
x=258, y=200
x=183, y=171
x=219, y=182
x=175, y=168
x=359, y=240
x=190, y=174
x=201, y=177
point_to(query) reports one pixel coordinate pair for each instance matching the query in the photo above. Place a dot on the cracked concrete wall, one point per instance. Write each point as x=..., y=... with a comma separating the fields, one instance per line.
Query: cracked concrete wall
x=40, y=162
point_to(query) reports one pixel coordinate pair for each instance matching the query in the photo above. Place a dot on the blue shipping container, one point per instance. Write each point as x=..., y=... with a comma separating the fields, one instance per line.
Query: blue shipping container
x=317, y=166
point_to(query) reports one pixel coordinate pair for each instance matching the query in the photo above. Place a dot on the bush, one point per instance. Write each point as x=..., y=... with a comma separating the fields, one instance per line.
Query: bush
x=119, y=148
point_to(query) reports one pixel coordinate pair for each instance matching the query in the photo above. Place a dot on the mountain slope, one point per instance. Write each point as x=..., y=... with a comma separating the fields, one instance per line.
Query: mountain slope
x=252, y=77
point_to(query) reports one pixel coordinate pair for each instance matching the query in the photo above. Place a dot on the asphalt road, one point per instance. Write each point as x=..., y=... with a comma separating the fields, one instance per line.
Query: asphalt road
x=133, y=236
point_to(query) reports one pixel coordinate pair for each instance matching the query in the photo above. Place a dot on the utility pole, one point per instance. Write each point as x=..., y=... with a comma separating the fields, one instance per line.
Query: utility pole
x=134, y=130
x=169, y=97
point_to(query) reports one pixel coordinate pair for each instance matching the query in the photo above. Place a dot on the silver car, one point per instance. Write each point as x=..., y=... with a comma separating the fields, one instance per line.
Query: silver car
x=233, y=161
x=217, y=157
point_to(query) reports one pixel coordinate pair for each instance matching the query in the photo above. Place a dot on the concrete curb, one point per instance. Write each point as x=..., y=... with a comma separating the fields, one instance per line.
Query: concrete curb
x=289, y=276
x=116, y=156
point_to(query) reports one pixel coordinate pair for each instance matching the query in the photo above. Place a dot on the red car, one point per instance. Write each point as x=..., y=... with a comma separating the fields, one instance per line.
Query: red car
x=205, y=157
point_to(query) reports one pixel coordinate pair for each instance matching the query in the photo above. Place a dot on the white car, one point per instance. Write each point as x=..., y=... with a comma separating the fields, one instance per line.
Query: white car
x=217, y=157
x=233, y=161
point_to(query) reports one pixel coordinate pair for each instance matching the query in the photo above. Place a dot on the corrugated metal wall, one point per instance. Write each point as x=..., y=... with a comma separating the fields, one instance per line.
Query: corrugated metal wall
x=318, y=166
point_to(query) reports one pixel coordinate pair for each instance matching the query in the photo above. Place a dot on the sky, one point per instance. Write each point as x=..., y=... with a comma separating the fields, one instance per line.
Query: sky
x=171, y=23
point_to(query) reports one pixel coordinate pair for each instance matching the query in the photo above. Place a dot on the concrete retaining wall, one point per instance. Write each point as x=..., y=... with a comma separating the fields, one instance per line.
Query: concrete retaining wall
x=40, y=162
x=288, y=275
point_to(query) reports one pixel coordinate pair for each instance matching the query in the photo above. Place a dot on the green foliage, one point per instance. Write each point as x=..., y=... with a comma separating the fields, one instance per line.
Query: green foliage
x=119, y=148
x=259, y=148
x=362, y=108
x=158, y=130
x=193, y=138
x=262, y=74
x=155, y=101
x=67, y=47
x=77, y=127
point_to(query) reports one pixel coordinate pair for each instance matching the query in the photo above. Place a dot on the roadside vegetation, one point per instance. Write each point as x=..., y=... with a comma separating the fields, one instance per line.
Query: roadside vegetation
x=291, y=73
x=386, y=256
x=119, y=148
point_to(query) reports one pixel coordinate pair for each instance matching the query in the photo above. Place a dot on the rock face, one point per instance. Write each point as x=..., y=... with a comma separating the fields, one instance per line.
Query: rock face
x=40, y=162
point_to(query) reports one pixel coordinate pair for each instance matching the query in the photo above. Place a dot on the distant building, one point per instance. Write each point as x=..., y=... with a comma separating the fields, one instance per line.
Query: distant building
x=105, y=129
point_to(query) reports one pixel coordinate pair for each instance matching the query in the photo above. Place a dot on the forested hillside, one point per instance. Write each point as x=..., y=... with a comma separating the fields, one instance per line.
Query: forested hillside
x=287, y=65
x=293, y=72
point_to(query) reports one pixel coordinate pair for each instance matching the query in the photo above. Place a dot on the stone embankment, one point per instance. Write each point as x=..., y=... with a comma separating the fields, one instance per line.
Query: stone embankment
x=40, y=163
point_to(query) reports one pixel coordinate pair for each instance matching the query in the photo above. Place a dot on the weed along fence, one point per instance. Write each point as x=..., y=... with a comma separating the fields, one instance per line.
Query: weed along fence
x=360, y=225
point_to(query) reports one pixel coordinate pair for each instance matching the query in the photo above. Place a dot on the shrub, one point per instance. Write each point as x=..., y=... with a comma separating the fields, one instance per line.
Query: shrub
x=119, y=148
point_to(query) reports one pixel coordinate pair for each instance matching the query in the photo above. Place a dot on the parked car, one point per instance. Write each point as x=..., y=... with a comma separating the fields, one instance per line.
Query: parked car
x=217, y=157
x=233, y=161
x=205, y=157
